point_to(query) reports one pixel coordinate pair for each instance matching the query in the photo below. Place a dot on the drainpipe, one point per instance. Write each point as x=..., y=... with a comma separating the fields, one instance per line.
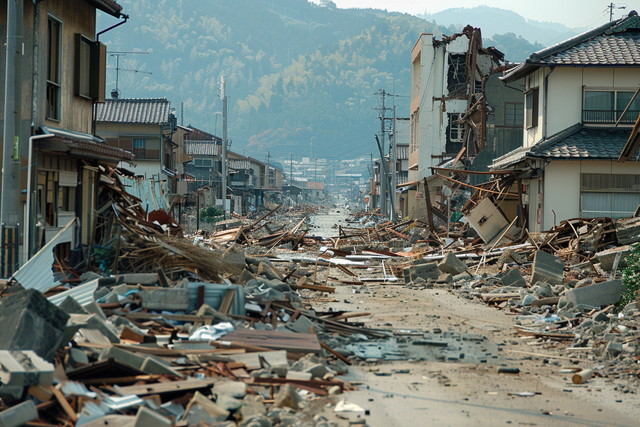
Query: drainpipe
x=28, y=237
x=546, y=103
x=124, y=17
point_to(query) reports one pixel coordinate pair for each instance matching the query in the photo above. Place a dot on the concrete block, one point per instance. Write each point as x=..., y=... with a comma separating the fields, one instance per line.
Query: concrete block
x=295, y=375
x=24, y=368
x=547, y=268
x=288, y=397
x=170, y=299
x=19, y=415
x=599, y=294
x=514, y=278
x=154, y=367
x=138, y=278
x=302, y=325
x=93, y=321
x=425, y=271
x=123, y=356
x=148, y=418
x=607, y=258
x=201, y=409
x=36, y=324
x=452, y=265
x=235, y=389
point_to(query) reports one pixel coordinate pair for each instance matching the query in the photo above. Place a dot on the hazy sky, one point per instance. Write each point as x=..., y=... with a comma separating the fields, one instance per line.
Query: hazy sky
x=572, y=13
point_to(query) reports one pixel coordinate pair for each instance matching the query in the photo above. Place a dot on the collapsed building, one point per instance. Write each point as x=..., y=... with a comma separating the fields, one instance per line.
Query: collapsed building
x=461, y=114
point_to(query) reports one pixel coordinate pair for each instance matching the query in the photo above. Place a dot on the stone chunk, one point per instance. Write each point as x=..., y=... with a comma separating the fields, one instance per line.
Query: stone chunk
x=24, y=368
x=203, y=410
x=19, y=415
x=235, y=389
x=288, y=397
x=36, y=324
x=604, y=293
x=148, y=418
x=452, y=265
x=425, y=271
x=514, y=278
x=547, y=268
x=170, y=299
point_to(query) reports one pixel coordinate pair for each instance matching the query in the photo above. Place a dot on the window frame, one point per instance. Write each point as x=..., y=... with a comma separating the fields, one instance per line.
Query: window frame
x=456, y=126
x=513, y=117
x=54, y=69
x=531, y=111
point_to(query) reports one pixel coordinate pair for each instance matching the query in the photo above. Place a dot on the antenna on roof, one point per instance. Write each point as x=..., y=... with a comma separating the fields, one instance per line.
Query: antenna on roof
x=115, y=93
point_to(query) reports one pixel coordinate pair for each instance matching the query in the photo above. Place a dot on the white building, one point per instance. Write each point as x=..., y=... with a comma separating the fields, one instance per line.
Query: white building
x=575, y=95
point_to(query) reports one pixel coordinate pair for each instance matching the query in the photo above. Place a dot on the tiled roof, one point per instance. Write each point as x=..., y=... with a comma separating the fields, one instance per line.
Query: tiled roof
x=614, y=49
x=133, y=110
x=576, y=142
x=615, y=43
x=200, y=135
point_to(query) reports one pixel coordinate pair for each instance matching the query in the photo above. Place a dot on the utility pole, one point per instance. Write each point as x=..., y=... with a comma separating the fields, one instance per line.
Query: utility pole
x=384, y=179
x=266, y=172
x=10, y=206
x=611, y=7
x=394, y=166
x=225, y=205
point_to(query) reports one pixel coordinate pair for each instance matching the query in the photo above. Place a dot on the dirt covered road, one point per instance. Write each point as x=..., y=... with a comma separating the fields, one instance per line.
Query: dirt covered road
x=465, y=392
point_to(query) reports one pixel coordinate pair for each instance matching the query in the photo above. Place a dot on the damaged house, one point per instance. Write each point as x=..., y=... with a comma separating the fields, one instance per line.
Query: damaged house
x=51, y=156
x=580, y=105
x=461, y=115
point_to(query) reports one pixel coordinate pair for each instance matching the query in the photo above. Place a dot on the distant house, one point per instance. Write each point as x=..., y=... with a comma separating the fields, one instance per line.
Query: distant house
x=204, y=164
x=316, y=191
x=52, y=176
x=579, y=105
x=146, y=128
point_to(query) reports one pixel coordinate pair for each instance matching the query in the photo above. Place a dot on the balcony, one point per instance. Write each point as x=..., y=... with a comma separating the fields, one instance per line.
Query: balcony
x=609, y=117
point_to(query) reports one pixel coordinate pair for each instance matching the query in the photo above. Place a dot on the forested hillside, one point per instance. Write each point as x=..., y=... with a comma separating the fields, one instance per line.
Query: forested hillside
x=301, y=78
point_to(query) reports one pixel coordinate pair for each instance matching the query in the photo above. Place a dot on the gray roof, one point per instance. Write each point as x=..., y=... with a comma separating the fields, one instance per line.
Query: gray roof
x=575, y=143
x=134, y=110
x=614, y=44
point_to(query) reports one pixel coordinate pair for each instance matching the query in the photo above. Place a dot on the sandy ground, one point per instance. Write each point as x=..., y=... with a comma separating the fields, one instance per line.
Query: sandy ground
x=405, y=393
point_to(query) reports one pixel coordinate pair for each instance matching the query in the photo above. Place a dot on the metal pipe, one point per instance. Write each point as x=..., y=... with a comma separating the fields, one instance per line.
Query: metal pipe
x=28, y=244
x=124, y=17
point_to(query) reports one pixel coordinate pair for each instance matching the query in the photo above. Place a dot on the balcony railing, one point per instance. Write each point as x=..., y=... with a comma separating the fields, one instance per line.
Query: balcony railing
x=609, y=116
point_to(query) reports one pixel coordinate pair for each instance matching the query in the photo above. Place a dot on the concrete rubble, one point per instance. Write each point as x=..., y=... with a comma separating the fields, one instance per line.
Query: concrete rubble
x=220, y=329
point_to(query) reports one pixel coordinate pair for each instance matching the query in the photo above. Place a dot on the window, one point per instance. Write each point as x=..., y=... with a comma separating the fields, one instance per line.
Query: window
x=531, y=108
x=54, y=31
x=606, y=106
x=513, y=114
x=139, y=148
x=90, y=68
x=456, y=129
x=203, y=163
x=609, y=195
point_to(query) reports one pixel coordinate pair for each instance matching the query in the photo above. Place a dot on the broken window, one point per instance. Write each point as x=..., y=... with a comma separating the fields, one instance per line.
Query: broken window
x=457, y=75
x=531, y=108
x=455, y=133
x=513, y=114
x=54, y=35
x=456, y=129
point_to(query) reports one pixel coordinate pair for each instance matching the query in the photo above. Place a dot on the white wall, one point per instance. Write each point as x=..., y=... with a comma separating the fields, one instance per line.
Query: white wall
x=562, y=185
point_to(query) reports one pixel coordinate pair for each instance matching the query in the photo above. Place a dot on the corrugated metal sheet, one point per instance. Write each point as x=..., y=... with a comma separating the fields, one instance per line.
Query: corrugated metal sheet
x=201, y=148
x=239, y=164
x=213, y=295
x=152, y=193
x=37, y=273
x=83, y=294
x=134, y=110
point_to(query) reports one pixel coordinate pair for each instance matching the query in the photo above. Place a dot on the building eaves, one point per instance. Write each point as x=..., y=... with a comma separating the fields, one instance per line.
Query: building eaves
x=108, y=6
x=134, y=111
